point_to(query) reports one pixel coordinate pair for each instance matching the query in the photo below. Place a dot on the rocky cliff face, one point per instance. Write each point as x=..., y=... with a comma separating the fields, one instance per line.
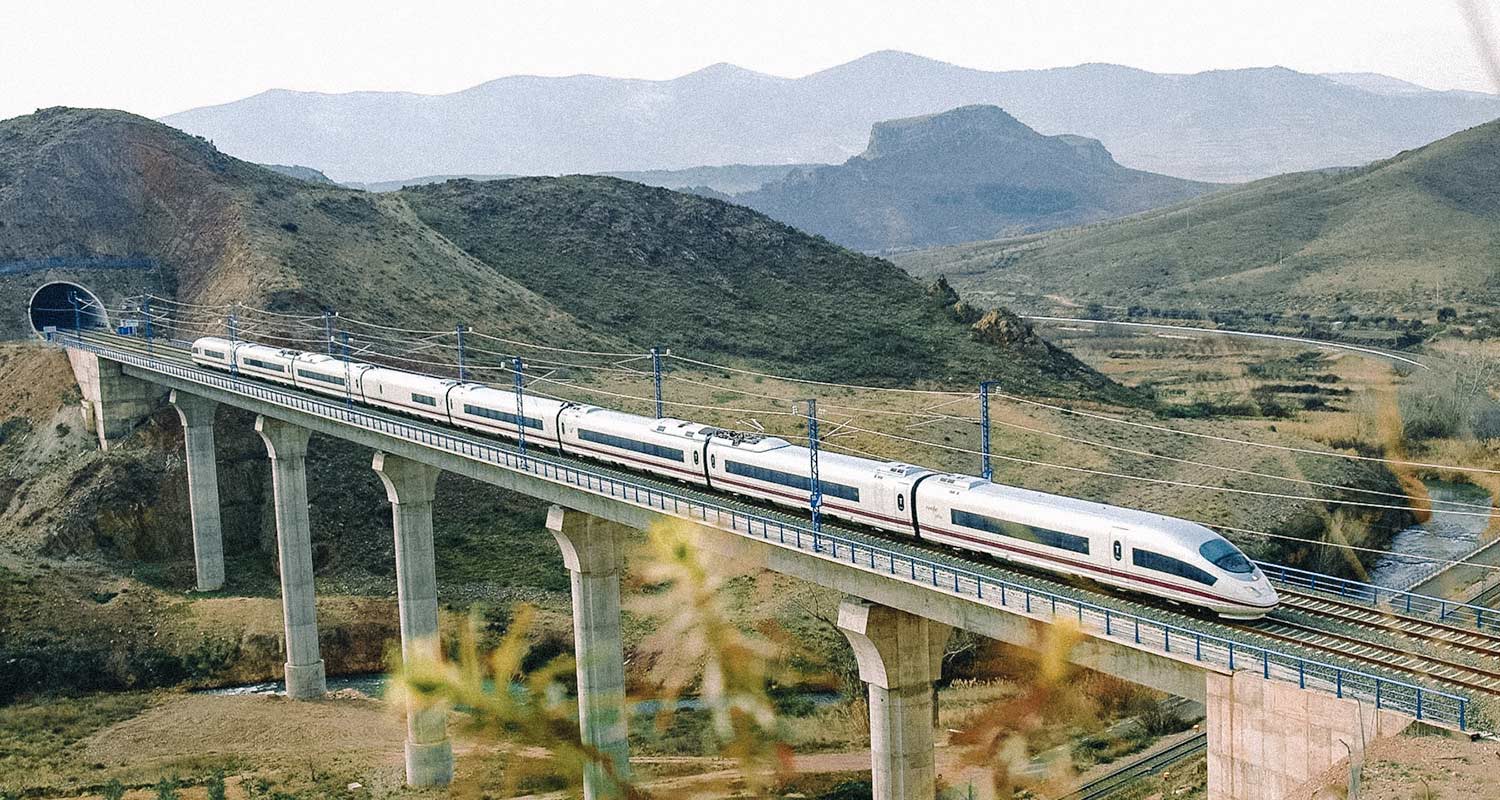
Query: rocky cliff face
x=970, y=173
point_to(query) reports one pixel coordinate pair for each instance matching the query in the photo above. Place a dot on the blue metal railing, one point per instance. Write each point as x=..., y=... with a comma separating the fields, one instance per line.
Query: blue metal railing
x=1431, y=705
x=1383, y=598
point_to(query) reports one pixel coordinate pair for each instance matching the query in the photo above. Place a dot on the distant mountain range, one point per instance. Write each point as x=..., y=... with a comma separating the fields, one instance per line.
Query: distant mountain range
x=971, y=173
x=1217, y=126
x=1412, y=232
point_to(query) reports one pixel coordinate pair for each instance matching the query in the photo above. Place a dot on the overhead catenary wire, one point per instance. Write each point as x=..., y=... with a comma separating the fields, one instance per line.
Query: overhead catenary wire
x=303, y=320
x=997, y=395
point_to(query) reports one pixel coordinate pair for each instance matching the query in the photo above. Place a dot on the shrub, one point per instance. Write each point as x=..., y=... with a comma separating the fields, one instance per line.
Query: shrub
x=114, y=790
x=166, y=789
x=215, y=786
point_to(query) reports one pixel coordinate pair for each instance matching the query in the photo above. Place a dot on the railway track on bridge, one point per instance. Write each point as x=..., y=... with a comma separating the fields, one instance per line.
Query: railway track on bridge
x=1423, y=666
x=1424, y=630
x=1351, y=650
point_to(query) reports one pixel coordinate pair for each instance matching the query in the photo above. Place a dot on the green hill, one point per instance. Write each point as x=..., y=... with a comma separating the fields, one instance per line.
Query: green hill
x=1422, y=227
x=706, y=277
x=581, y=261
x=970, y=173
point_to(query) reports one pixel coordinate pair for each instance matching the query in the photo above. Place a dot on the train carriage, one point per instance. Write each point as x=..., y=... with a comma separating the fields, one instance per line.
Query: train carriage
x=671, y=447
x=408, y=392
x=1168, y=558
x=480, y=407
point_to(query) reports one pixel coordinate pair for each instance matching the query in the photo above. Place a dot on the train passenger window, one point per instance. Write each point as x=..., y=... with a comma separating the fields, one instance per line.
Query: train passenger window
x=1172, y=566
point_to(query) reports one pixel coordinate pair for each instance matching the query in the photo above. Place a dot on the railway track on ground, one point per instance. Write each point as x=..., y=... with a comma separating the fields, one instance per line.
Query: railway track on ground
x=1106, y=785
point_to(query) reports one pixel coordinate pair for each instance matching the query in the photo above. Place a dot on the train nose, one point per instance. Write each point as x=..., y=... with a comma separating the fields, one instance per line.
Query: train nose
x=1260, y=593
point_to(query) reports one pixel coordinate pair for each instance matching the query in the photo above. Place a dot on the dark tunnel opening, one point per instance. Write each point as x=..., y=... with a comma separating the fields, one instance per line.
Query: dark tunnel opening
x=54, y=305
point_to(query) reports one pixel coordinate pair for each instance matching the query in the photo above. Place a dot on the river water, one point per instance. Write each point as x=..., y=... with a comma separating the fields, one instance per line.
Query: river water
x=1445, y=536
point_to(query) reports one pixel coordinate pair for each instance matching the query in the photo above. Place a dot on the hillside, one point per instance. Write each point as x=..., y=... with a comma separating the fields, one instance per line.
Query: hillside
x=729, y=179
x=90, y=183
x=971, y=173
x=1229, y=125
x=575, y=261
x=1423, y=226
x=707, y=277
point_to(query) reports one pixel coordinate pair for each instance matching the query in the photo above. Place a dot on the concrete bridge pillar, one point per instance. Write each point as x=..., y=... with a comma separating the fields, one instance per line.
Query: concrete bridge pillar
x=113, y=403
x=287, y=446
x=197, y=415
x=409, y=485
x=900, y=655
x=1268, y=739
x=594, y=551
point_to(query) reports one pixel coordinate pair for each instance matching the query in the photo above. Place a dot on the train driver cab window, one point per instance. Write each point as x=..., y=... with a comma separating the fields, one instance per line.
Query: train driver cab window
x=900, y=502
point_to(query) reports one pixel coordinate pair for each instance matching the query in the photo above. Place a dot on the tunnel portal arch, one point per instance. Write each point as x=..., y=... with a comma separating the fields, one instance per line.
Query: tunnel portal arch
x=52, y=305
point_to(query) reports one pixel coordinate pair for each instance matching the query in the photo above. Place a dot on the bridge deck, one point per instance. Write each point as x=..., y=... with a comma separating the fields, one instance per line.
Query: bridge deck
x=962, y=591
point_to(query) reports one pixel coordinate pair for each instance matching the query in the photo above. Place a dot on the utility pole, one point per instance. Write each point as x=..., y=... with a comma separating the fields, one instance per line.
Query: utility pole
x=328, y=329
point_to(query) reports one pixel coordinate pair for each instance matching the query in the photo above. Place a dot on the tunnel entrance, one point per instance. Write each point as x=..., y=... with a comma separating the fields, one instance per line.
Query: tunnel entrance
x=53, y=305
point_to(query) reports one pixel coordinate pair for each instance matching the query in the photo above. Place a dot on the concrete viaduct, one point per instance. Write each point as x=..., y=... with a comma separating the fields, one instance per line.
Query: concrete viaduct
x=1274, y=719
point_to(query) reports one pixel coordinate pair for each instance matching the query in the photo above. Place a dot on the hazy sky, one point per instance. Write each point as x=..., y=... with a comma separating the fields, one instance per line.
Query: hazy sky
x=157, y=57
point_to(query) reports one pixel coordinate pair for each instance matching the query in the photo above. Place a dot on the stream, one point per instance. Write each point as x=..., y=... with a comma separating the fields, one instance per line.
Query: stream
x=1445, y=536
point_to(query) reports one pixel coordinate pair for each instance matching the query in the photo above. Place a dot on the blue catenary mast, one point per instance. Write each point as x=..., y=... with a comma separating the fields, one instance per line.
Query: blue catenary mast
x=234, y=338
x=984, y=430
x=150, y=332
x=519, y=369
x=656, y=378
x=77, y=316
x=348, y=390
x=463, y=372
x=815, y=485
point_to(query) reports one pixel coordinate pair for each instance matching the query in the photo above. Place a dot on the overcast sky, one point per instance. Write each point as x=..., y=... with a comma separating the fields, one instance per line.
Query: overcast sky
x=157, y=57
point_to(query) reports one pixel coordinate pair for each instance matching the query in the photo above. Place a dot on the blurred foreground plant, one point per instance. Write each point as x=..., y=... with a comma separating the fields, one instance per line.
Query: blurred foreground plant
x=506, y=704
x=996, y=738
x=697, y=646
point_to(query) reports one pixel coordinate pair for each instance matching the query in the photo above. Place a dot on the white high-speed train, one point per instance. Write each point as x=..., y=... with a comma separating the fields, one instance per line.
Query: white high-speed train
x=1164, y=557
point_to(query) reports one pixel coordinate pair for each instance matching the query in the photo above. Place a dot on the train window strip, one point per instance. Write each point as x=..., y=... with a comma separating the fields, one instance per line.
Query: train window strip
x=647, y=448
x=216, y=354
x=320, y=377
x=1226, y=556
x=266, y=365
x=503, y=416
x=1015, y=530
x=1171, y=566
x=424, y=399
x=795, y=481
